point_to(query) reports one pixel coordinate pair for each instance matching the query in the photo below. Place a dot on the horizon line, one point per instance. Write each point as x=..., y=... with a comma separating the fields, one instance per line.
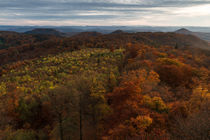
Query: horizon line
x=106, y=25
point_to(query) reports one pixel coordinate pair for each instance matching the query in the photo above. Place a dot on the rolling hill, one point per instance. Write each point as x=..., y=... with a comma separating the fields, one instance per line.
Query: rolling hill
x=201, y=35
x=45, y=31
x=13, y=39
x=34, y=46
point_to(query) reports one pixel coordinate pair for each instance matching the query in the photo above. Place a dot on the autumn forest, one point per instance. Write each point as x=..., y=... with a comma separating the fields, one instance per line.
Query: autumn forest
x=93, y=86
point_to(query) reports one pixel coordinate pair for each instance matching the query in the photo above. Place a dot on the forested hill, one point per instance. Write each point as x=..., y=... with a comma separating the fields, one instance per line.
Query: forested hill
x=201, y=35
x=118, y=86
x=45, y=31
x=9, y=39
x=13, y=39
x=22, y=46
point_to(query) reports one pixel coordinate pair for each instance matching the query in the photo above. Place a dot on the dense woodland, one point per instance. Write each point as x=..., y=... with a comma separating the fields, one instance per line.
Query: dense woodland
x=119, y=86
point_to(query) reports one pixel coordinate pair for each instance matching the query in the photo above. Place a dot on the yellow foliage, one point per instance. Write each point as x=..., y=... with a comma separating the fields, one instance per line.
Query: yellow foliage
x=153, y=77
x=147, y=100
x=162, y=55
x=200, y=95
x=158, y=104
x=155, y=103
x=2, y=89
x=141, y=122
x=169, y=61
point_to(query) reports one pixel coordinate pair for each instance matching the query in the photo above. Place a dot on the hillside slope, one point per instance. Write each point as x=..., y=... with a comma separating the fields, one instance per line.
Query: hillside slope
x=53, y=44
x=13, y=39
x=201, y=35
x=45, y=31
x=172, y=39
x=36, y=72
x=107, y=93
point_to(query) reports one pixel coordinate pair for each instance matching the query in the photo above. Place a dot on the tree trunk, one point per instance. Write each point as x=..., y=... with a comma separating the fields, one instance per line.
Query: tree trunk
x=95, y=125
x=80, y=117
x=61, y=126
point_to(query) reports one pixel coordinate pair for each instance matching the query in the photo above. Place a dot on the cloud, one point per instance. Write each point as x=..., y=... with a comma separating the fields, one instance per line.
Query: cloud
x=106, y=12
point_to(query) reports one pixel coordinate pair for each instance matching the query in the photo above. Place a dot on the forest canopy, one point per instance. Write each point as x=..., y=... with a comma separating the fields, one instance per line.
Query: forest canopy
x=118, y=86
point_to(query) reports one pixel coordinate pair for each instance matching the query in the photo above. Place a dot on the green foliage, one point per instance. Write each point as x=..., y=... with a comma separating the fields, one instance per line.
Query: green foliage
x=22, y=135
x=27, y=109
x=112, y=81
x=98, y=102
x=48, y=72
x=155, y=103
x=50, y=88
x=2, y=88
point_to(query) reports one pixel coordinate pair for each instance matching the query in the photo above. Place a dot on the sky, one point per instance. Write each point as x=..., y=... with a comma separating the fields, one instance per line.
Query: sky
x=105, y=12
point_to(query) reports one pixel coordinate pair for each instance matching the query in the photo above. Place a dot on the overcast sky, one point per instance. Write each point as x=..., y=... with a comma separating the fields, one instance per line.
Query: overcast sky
x=105, y=12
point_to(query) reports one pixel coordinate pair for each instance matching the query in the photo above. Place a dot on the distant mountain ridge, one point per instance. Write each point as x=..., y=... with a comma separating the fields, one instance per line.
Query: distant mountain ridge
x=51, y=31
x=106, y=29
x=118, y=32
x=201, y=35
x=183, y=31
x=45, y=31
